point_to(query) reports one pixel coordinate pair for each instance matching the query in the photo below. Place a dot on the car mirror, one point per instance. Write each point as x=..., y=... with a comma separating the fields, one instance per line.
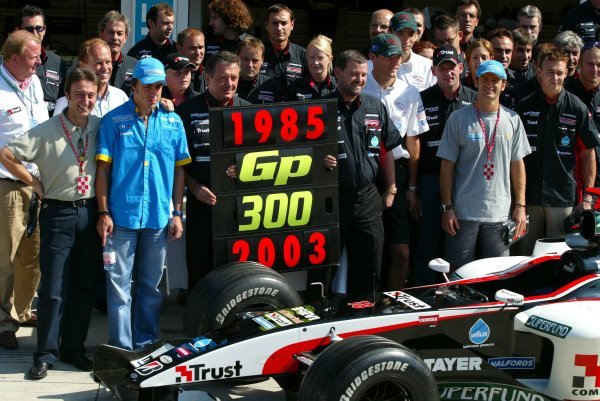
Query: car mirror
x=509, y=298
x=441, y=266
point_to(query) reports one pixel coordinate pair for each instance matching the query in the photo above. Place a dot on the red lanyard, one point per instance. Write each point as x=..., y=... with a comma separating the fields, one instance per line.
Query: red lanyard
x=79, y=156
x=489, y=141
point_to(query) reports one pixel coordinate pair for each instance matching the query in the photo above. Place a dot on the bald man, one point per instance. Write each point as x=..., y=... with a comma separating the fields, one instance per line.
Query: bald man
x=380, y=22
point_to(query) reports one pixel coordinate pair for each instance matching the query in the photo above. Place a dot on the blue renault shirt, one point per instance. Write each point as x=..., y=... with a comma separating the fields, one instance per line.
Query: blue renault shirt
x=143, y=164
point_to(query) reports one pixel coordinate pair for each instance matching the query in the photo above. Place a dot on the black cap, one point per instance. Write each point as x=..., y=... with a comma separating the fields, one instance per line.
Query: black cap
x=445, y=53
x=177, y=62
x=386, y=45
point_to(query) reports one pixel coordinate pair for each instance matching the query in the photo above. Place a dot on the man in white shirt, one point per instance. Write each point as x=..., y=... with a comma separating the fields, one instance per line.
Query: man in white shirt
x=405, y=109
x=21, y=108
x=94, y=54
x=414, y=69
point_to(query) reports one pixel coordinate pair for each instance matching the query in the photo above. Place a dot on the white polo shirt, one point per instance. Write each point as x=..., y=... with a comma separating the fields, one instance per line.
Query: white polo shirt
x=19, y=111
x=405, y=107
x=114, y=98
x=417, y=72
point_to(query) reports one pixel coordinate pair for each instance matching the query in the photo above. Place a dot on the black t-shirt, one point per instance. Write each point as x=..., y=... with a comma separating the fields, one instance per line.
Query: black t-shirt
x=261, y=90
x=584, y=20
x=437, y=109
x=52, y=74
x=122, y=73
x=285, y=65
x=306, y=88
x=146, y=47
x=198, y=80
x=556, y=134
x=194, y=114
x=363, y=127
x=522, y=76
x=216, y=44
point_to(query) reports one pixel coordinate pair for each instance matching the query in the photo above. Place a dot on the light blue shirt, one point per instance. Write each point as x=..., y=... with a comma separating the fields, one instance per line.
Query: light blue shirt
x=143, y=164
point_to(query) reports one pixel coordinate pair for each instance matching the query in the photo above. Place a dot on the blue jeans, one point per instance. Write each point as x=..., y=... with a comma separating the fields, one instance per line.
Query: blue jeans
x=133, y=314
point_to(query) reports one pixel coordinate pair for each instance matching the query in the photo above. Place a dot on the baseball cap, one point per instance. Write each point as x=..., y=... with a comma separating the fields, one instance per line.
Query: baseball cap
x=177, y=62
x=386, y=45
x=445, y=53
x=493, y=67
x=403, y=20
x=149, y=71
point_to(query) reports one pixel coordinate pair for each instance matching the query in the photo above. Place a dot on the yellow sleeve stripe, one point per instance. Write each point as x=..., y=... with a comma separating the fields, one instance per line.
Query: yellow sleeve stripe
x=183, y=162
x=104, y=158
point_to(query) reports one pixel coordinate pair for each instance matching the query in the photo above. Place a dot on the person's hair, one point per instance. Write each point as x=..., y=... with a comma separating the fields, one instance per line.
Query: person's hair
x=29, y=11
x=551, y=52
x=536, y=51
x=80, y=74
x=568, y=40
x=235, y=14
x=530, y=11
x=251, y=42
x=444, y=22
x=481, y=42
x=422, y=45
x=84, y=48
x=414, y=11
x=522, y=38
x=322, y=43
x=277, y=8
x=112, y=17
x=468, y=3
x=500, y=33
x=156, y=9
x=16, y=42
x=349, y=55
x=223, y=57
x=187, y=33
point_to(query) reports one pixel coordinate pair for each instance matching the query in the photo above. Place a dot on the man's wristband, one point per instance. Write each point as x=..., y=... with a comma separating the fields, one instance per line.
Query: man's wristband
x=412, y=189
x=103, y=213
x=177, y=213
x=519, y=205
x=447, y=207
x=392, y=190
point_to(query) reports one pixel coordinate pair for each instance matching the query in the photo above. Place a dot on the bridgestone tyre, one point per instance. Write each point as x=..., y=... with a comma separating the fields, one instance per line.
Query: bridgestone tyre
x=234, y=288
x=368, y=368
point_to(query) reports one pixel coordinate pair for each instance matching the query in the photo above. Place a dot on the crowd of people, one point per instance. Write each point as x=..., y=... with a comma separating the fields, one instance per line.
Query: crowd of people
x=443, y=137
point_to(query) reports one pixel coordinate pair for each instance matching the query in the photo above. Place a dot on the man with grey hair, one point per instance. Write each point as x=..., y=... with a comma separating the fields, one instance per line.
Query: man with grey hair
x=114, y=29
x=529, y=20
x=570, y=43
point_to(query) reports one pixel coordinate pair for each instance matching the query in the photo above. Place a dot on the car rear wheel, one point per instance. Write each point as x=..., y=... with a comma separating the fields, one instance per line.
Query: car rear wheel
x=235, y=288
x=368, y=368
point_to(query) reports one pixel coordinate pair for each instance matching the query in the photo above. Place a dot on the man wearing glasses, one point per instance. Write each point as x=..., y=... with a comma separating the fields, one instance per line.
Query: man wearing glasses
x=52, y=70
x=467, y=13
x=447, y=32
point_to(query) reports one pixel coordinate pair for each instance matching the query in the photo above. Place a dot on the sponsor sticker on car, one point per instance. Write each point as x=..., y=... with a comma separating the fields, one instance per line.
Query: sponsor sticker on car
x=548, y=326
x=479, y=333
x=407, y=299
x=453, y=364
x=586, y=381
x=486, y=391
x=278, y=319
x=513, y=363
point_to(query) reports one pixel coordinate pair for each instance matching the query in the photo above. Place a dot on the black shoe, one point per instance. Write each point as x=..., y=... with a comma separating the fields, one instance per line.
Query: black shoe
x=39, y=370
x=81, y=362
x=8, y=340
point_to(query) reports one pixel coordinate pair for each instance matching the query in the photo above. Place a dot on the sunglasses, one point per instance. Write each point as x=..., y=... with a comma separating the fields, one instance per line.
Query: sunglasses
x=589, y=45
x=37, y=28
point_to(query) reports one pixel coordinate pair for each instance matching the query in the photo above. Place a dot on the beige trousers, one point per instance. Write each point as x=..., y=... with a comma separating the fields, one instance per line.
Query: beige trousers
x=19, y=256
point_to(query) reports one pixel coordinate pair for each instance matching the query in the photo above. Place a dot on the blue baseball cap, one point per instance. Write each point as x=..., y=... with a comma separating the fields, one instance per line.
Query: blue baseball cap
x=492, y=67
x=150, y=71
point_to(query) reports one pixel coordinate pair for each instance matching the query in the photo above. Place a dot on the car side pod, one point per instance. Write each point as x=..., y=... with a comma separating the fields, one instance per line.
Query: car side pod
x=509, y=298
x=441, y=266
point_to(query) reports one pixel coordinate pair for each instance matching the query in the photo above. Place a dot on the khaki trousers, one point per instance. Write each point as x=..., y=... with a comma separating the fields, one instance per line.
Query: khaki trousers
x=19, y=256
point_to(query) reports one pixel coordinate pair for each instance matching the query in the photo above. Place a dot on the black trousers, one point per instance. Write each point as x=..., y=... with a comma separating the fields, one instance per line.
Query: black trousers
x=361, y=233
x=198, y=240
x=70, y=255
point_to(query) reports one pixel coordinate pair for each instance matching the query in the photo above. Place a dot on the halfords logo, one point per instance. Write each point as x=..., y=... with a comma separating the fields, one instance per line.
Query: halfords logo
x=202, y=373
x=589, y=383
x=513, y=363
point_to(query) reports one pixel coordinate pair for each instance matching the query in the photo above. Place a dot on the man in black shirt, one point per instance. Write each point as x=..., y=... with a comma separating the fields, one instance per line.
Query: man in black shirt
x=190, y=44
x=229, y=20
x=520, y=62
x=502, y=44
x=364, y=126
x=562, y=138
x=439, y=101
x=222, y=74
x=52, y=71
x=284, y=60
x=584, y=20
x=253, y=86
x=159, y=20
x=114, y=29
x=570, y=44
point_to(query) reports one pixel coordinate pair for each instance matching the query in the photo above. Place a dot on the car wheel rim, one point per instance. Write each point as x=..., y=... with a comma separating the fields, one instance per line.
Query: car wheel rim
x=387, y=391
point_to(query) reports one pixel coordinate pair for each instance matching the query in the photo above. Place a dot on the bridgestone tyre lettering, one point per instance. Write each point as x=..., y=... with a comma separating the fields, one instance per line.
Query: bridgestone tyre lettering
x=234, y=288
x=368, y=368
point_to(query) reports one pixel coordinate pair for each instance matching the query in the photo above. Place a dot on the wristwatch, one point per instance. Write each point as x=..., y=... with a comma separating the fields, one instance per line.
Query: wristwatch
x=177, y=213
x=447, y=207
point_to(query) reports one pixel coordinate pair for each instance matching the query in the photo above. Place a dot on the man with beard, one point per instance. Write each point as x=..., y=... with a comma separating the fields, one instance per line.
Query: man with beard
x=190, y=44
x=529, y=20
x=159, y=20
x=114, y=29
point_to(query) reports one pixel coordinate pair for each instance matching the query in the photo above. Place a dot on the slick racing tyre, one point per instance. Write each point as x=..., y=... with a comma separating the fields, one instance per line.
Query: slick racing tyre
x=234, y=288
x=368, y=368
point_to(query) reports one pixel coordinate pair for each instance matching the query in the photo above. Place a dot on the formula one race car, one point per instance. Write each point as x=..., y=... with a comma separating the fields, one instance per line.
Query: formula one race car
x=528, y=332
